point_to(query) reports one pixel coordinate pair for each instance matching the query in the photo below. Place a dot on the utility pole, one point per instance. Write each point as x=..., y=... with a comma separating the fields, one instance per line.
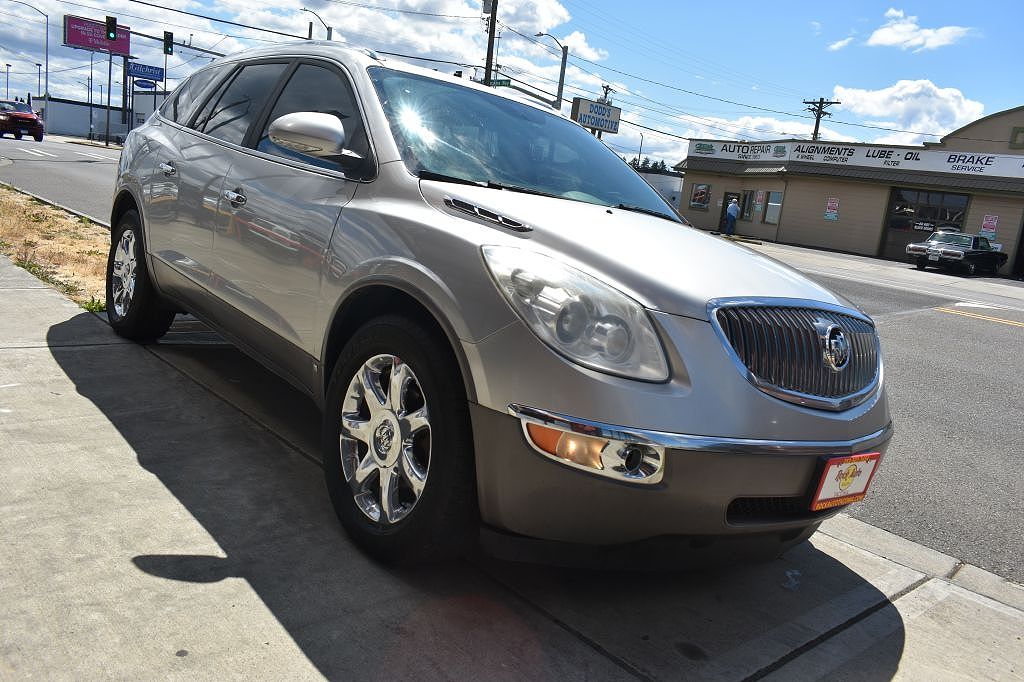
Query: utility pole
x=818, y=109
x=492, y=24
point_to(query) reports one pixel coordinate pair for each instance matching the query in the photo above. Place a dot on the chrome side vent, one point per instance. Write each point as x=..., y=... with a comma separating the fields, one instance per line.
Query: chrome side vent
x=789, y=349
x=485, y=214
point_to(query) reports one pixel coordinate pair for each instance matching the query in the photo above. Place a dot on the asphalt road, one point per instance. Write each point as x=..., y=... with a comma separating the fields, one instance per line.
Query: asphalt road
x=955, y=377
x=953, y=367
x=74, y=175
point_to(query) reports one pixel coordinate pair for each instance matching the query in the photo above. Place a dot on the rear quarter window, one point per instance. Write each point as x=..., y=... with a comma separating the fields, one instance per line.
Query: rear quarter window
x=180, y=106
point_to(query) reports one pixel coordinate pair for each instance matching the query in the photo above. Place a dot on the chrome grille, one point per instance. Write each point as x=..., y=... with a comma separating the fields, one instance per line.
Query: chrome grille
x=782, y=347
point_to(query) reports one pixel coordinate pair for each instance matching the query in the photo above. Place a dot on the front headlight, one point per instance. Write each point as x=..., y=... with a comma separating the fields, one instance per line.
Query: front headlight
x=578, y=316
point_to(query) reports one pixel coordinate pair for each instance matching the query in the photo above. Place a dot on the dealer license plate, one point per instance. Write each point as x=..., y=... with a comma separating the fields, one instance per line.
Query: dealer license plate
x=933, y=258
x=845, y=480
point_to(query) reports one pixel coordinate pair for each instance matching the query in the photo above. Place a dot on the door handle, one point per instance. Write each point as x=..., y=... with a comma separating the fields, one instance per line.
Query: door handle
x=234, y=197
x=168, y=169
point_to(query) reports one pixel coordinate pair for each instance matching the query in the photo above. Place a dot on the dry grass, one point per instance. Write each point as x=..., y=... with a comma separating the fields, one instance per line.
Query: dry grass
x=63, y=250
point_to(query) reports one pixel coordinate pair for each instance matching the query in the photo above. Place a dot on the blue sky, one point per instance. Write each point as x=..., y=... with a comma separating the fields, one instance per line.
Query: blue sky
x=904, y=68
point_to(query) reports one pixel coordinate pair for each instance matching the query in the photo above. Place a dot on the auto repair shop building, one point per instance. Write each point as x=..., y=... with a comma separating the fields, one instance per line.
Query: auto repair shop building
x=867, y=199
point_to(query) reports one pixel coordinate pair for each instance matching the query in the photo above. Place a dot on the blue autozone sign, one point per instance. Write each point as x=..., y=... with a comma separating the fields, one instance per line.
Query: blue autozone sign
x=153, y=73
x=595, y=115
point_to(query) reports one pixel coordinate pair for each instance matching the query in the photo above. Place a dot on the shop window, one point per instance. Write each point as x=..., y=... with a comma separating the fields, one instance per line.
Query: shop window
x=773, y=209
x=747, y=205
x=1017, y=138
x=700, y=196
x=911, y=209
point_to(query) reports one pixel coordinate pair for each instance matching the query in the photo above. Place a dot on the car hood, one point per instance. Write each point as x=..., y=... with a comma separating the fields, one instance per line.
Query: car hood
x=664, y=265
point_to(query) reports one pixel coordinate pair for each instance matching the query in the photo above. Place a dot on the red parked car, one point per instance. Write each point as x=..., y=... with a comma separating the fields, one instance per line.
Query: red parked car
x=17, y=118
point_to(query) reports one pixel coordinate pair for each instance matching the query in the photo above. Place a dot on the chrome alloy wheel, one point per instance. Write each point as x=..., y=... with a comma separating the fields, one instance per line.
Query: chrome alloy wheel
x=385, y=439
x=122, y=276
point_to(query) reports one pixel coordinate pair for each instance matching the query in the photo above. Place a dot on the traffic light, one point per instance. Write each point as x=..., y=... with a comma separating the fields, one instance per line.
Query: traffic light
x=168, y=42
x=111, y=28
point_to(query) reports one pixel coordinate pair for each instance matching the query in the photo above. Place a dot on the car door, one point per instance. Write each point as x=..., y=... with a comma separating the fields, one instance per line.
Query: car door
x=988, y=258
x=181, y=189
x=279, y=211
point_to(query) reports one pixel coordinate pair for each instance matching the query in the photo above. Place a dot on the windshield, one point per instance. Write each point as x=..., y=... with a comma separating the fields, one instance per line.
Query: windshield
x=15, y=106
x=450, y=130
x=957, y=239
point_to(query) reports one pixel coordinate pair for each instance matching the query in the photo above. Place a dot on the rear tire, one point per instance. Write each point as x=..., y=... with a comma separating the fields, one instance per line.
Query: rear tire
x=133, y=305
x=38, y=138
x=17, y=136
x=397, y=428
x=970, y=269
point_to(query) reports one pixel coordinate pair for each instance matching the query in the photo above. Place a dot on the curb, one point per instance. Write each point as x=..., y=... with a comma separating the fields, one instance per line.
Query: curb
x=89, y=143
x=62, y=207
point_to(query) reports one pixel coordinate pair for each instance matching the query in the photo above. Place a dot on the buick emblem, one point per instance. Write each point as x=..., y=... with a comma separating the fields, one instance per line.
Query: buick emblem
x=382, y=438
x=837, y=348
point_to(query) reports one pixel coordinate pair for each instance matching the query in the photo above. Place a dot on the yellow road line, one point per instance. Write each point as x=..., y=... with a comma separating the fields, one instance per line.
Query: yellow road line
x=1012, y=323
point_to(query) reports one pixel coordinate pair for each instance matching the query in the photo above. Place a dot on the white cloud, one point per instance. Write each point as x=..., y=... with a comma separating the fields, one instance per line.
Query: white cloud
x=840, y=44
x=577, y=44
x=903, y=31
x=913, y=105
x=816, y=27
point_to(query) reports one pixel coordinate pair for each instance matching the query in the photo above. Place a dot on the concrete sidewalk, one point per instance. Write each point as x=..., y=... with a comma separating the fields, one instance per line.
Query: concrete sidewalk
x=163, y=516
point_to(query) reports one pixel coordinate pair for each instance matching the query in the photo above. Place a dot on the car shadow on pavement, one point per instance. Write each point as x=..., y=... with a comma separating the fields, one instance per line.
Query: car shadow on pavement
x=265, y=506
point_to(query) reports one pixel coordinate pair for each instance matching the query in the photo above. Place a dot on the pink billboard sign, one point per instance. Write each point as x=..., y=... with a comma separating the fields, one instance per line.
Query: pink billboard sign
x=89, y=34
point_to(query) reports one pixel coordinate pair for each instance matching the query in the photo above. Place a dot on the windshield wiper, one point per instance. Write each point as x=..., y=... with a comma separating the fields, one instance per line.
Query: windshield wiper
x=647, y=211
x=441, y=177
x=489, y=184
x=519, y=188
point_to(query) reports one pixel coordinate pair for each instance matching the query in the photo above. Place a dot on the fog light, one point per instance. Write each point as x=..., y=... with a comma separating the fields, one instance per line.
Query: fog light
x=574, y=447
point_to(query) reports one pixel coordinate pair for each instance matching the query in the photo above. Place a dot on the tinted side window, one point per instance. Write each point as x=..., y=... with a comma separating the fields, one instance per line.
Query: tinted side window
x=315, y=88
x=242, y=102
x=186, y=98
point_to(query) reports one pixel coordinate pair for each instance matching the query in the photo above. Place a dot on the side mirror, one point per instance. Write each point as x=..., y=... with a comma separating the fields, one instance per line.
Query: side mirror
x=310, y=133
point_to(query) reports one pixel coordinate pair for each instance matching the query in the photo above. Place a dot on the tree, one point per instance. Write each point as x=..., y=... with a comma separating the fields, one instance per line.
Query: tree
x=646, y=163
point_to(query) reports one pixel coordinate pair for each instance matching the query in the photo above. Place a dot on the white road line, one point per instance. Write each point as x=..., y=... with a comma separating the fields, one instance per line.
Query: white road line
x=32, y=151
x=94, y=156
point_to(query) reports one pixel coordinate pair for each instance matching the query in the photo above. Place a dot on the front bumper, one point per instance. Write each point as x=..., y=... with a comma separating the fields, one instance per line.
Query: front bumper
x=12, y=126
x=731, y=490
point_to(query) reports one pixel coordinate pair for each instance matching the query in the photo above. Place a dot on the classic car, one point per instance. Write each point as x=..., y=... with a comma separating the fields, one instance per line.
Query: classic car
x=968, y=253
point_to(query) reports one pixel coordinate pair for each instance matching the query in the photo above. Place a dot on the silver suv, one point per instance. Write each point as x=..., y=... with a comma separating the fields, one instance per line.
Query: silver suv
x=509, y=332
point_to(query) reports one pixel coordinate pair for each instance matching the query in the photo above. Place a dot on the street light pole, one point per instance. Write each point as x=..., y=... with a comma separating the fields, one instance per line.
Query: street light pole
x=330, y=29
x=561, y=74
x=8, y=96
x=38, y=78
x=640, y=154
x=46, y=49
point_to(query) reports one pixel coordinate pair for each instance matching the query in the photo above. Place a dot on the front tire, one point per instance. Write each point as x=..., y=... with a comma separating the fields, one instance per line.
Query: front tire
x=133, y=305
x=921, y=263
x=398, y=446
x=970, y=269
x=17, y=136
x=38, y=137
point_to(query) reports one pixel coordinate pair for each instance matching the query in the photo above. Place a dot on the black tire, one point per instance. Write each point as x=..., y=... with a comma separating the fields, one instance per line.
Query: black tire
x=17, y=136
x=38, y=137
x=970, y=269
x=440, y=522
x=133, y=305
x=920, y=263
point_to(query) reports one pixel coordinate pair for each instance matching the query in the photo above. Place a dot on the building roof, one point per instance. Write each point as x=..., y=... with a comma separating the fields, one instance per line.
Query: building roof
x=886, y=175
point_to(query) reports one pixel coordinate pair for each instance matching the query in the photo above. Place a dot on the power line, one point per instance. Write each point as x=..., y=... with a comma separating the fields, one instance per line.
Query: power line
x=403, y=11
x=221, y=21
